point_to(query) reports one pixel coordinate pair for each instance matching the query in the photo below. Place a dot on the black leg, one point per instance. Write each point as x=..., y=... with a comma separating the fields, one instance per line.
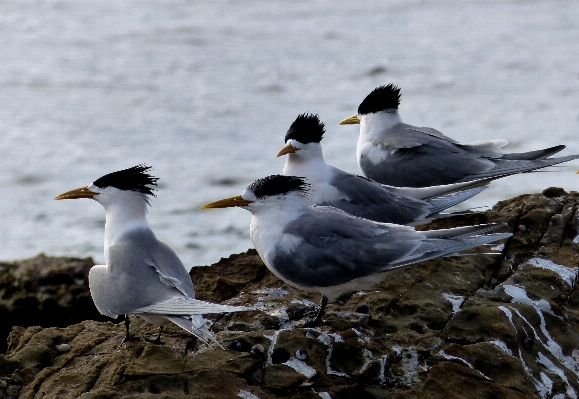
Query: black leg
x=127, y=335
x=318, y=319
x=156, y=341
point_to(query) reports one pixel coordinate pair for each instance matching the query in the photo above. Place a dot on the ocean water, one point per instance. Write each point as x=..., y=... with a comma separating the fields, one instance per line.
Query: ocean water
x=205, y=91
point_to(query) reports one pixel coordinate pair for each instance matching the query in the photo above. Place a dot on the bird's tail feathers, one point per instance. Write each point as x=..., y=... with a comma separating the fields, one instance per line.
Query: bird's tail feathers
x=427, y=193
x=508, y=167
x=533, y=155
x=198, y=326
x=187, y=306
x=457, y=232
x=435, y=248
x=446, y=201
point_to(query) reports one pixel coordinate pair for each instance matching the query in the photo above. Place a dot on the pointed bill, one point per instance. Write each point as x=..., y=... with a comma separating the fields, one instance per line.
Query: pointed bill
x=227, y=203
x=81, y=192
x=351, y=120
x=288, y=149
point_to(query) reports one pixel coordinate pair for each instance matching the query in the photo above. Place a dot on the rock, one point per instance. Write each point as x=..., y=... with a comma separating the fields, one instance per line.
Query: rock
x=502, y=325
x=45, y=291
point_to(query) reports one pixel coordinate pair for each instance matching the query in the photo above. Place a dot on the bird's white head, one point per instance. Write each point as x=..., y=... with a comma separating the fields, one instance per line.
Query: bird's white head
x=305, y=135
x=124, y=186
x=271, y=191
x=382, y=99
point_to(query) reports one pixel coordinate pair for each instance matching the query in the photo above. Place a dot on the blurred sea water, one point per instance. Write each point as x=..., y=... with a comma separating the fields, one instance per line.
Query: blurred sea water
x=205, y=91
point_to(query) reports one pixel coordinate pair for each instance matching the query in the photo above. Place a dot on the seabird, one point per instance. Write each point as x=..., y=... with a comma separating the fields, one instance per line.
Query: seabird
x=142, y=275
x=325, y=250
x=392, y=152
x=357, y=195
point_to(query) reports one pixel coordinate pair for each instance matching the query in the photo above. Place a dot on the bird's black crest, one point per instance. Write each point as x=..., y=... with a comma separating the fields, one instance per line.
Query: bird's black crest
x=134, y=179
x=307, y=128
x=380, y=99
x=277, y=184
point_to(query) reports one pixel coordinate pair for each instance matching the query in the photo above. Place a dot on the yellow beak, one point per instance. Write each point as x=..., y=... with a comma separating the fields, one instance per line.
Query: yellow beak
x=227, y=203
x=288, y=149
x=82, y=192
x=351, y=120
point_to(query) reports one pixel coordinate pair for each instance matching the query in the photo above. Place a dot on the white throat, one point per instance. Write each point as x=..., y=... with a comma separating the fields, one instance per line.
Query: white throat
x=373, y=126
x=123, y=216
x=306, y=162
x=270, y=218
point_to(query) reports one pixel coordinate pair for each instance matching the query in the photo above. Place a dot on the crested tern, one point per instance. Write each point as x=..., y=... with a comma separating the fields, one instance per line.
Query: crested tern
x=392, y=152
x=142, y=275
x=325, y=250
x=357, y=195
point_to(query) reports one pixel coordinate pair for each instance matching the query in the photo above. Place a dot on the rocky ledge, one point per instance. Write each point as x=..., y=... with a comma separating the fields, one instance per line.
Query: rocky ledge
x=488, y=325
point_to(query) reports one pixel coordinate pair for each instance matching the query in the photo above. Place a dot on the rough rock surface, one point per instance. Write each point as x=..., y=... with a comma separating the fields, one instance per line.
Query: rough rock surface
x=503, y=325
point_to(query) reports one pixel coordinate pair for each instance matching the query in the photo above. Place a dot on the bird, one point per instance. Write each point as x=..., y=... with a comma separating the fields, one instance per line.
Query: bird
x=328, y=251
x=142, y=275
x=392, y=152
x=358, y=195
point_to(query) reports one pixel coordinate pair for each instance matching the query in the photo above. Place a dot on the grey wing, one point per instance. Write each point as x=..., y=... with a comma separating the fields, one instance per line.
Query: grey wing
x=422, y=160
x=170, y=269
x=370, y=200
x=132, y=283
x=335, y=248
x=509, y=167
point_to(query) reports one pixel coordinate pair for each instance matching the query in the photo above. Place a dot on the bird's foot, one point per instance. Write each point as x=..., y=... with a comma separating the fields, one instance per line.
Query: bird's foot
x=156, y=341
x=127, y=338
x=312, y=323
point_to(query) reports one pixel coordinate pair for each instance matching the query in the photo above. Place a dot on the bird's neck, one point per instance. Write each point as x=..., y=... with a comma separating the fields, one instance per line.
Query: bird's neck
x=124, y=217
x=268, y=223
x=373, y=125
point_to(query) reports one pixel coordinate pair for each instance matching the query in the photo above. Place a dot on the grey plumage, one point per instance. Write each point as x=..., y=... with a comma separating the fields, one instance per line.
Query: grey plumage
x=395, y=153
x=337, y=248
x=324, y=249
x=142, y=275
x=357, y=195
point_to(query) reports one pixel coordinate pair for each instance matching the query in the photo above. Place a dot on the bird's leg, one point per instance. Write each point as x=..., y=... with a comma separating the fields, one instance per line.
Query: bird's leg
x=127, y=335
x=156, y=341
x=318, y=319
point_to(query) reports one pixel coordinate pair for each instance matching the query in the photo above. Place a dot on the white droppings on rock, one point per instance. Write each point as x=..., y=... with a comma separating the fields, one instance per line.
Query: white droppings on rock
x=367, y=359
x=383, y=360
x=455, y=300
x=545, y=386
x=410, y=363
x=304, y=302
x=519, y=295
x=501, y=345
x=272, y=293
x=301, y=367
x=545, y=361
x=246, y=395
x=551, y=345
x=509, y=314
x=461, y=360
x=324, y=395
x=273, y=339
x=567, y=274
x=326, y=339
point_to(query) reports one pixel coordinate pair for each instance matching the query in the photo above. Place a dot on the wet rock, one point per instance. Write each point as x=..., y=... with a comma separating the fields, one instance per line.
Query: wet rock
x=504, y=325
